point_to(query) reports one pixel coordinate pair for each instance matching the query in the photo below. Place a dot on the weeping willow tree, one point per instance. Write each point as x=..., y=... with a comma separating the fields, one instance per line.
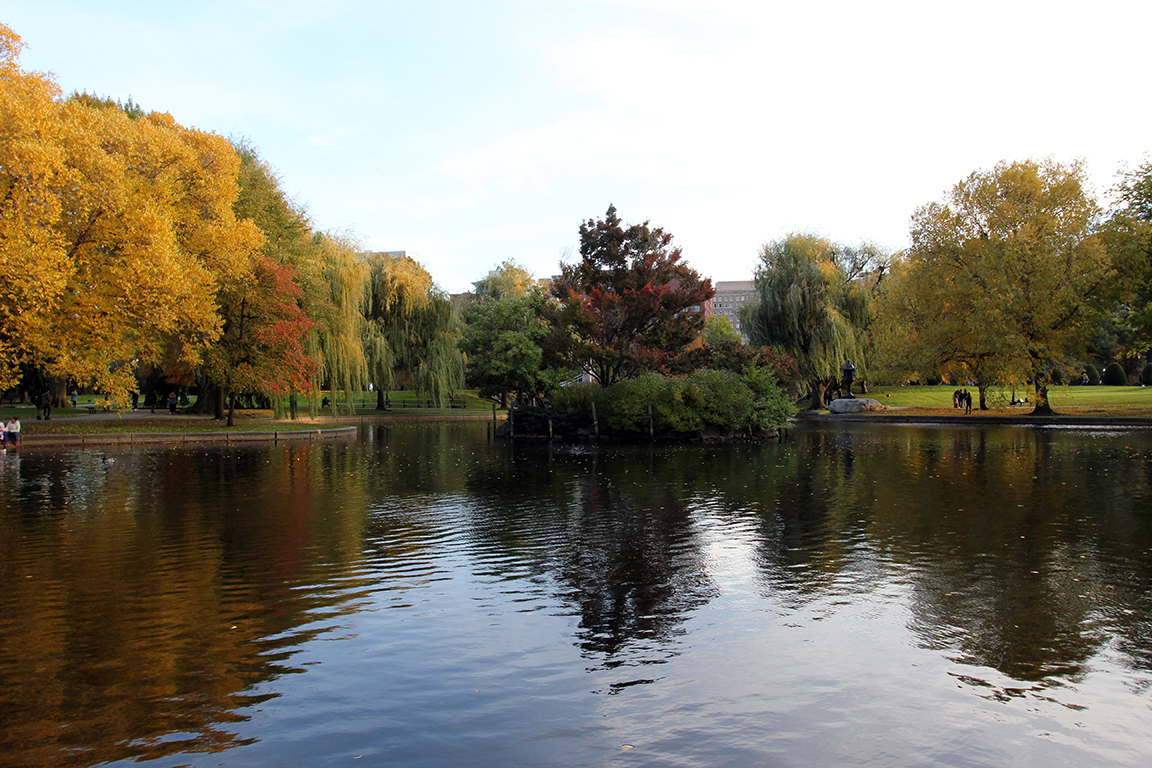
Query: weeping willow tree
x=411, y=331
x=812, y=304
x=336, y=343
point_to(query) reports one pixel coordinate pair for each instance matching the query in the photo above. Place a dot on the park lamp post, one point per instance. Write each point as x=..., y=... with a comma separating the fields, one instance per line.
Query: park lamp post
x=849, y=375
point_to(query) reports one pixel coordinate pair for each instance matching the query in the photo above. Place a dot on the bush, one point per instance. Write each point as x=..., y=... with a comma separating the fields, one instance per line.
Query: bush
x=1114, y=375
x=1146, y=374
x=1092, y=374
x=533, y=419
x=706, y=398
x=577, y=396
x=1057, y=376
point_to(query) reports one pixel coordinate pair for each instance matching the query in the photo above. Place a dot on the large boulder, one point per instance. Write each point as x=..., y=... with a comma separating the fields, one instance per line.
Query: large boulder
x=855, y=405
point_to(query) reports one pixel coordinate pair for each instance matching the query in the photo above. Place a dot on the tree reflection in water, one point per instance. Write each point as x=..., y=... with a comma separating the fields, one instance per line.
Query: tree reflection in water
x=148, y=605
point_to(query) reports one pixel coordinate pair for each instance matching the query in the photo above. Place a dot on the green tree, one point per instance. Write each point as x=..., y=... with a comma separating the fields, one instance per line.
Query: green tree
x=718, y=329
x=813, y=304
x=339, y=312
x=1015, y=267
x=630, y=300
x=504, y=341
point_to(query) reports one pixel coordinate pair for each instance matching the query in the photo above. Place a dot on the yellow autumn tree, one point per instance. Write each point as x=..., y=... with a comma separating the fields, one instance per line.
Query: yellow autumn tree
x=34, y=264
x=1004, y=275
x=119, y=235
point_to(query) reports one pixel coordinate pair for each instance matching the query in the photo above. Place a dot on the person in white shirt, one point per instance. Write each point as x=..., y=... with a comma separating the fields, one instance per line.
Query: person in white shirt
x=12, y=432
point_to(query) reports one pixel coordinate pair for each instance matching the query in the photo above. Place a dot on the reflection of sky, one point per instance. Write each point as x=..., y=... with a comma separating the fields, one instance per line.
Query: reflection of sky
x=480, y=622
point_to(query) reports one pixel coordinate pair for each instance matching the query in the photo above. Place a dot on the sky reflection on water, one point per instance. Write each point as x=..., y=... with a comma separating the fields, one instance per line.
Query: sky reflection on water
x=862, y=595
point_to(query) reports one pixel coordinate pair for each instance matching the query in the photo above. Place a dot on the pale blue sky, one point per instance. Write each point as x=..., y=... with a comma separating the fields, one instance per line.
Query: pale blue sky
x=473, y=132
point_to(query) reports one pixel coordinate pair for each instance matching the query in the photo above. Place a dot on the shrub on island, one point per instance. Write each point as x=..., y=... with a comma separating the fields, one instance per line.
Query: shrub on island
x=708, y=404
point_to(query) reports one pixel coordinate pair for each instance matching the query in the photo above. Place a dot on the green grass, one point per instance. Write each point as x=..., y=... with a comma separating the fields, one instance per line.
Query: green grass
x=1068, y=400
x=79, y=421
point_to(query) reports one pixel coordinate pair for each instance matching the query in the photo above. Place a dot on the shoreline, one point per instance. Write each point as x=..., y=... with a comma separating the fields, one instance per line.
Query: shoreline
x=975, y=418
x=353, y=423
x=179, y=438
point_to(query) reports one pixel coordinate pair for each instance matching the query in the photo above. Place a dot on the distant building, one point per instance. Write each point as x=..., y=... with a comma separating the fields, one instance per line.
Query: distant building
x=730, y=297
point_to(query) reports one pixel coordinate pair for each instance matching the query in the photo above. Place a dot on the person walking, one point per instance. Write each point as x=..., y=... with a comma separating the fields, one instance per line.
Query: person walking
x=967, y=403
x=46, y=404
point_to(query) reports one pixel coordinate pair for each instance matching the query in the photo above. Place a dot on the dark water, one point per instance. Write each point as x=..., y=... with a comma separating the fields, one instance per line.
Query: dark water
x=869, y=595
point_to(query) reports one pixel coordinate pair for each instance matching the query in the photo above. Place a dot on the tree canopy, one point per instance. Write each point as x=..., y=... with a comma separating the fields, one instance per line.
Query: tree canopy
x=1004, y=275
x=813, y=303
x=116, y=234
x=630, y=300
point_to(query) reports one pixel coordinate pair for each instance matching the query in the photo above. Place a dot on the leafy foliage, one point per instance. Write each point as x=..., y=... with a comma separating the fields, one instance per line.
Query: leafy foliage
x=1003, y=275
x=115, y=234
x=508, y=280
x=1114, y=375
x=413, y=331
x=630, y=301
x=503, y=338
x=814, y=305
x=718, y=329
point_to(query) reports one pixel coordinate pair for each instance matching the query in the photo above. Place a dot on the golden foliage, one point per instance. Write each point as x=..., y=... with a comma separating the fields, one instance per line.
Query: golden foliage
x=116, y=234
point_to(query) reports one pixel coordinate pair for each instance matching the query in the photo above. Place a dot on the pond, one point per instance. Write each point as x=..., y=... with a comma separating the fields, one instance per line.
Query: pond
x=859, y=595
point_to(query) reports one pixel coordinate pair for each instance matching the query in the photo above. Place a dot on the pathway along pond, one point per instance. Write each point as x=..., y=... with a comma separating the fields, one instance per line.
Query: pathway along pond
x=874, y=595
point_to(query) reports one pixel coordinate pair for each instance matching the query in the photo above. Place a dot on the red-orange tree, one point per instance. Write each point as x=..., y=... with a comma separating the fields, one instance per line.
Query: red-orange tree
x=261, y=348
x=630, y=301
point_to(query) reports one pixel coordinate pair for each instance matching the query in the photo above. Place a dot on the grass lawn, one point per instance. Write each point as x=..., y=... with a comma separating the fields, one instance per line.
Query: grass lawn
x=1065, y=400
x=95, y=420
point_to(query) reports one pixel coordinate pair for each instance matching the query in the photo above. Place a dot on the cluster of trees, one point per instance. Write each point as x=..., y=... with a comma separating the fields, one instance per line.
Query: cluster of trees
x=1016, y=277
x=135, y=250
x=629, y=316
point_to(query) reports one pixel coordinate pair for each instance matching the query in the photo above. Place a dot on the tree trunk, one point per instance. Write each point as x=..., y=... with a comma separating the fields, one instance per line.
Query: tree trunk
x=983, y=390
x=818, y=389
x=1042, y=406
x=59, y=392
x=380, y=400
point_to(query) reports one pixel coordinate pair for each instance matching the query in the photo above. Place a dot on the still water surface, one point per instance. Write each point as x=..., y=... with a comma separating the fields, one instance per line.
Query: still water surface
x=864, y=595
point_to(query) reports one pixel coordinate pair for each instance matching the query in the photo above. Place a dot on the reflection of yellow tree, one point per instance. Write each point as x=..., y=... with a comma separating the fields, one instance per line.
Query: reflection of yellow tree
x=149, y=612
x=1004, y=563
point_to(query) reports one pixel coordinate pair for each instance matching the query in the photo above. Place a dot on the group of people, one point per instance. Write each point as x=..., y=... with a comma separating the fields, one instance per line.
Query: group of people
x=11, y=433
x=962, y=398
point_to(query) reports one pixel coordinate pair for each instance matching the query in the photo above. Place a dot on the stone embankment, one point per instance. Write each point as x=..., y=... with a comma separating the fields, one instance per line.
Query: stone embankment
x=180, y=438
